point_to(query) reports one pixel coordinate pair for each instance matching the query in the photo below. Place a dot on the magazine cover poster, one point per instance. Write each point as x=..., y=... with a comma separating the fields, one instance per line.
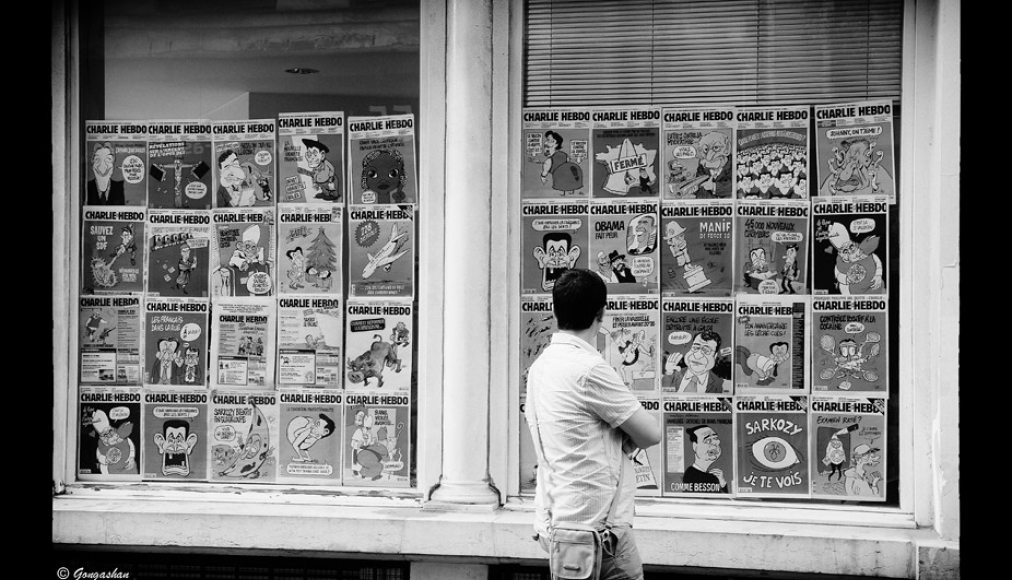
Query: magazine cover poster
x=309, y=447
x=379, y=346
x=243, y=436
x=556, y=153
x=528, y=455
x=242, y=343
x=537, y=325
x=112, y=250
x=647, y=463
x=771, y=159
x=850, y=352
x=242, y=252
x=180, y=158
x=698, y=442
x=697, y=336
x=310, y=341
x=381, y=251
x=850, y=245
x=554, y=238
x=310, y=246
x=854, y=149
x=382, y=168
x=175, y=435
x=848, y=449
x=627, y=339
x=771, y=246
x=377, y=446
x=698, y=149
x=244, y=163
x=696, y=249
x=178, y=249
x=311, y=162
x=109, y=340
x=771, y=344
x=771, y=449
x=625, y=144
x=109, y=442
x=116, y=162
x=175, y=342
x=623, y=245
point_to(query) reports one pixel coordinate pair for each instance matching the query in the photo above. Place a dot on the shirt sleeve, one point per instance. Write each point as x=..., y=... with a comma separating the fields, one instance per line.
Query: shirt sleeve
x=608, y=397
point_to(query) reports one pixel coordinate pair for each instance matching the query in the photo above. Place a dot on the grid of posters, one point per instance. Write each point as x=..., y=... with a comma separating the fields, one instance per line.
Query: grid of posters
x=217, y=259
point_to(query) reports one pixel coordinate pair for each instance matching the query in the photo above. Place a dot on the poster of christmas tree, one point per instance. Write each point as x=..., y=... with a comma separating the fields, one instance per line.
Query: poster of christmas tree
x=309, y=249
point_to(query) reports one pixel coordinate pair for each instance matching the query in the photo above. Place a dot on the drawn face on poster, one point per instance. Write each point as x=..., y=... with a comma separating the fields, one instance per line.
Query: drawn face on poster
x=848, y=457
x=242, y=449
x=375, y=446
x=626, y=162
x=552, y=246
x=624, y=252
x=109, y=438
x=113, y=254
x=180, y=174
x=311, y=441
x=628, y=342
x=699, y=458
x=766, y=155
x=383, y=170
x=856, y=165
x=176, y=449
x=246, y=267
x=245, y=174
x=556, y=163
x=699, y=166
x=850, y=355
x=175, y=351
x=116, y=173
x=774, y=261
x=177, y=264
x=312, y=168
x=697, y=353
x=850, y=254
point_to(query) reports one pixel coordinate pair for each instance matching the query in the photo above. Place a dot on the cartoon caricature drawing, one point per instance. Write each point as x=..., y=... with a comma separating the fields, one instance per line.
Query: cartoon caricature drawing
x=175, y=444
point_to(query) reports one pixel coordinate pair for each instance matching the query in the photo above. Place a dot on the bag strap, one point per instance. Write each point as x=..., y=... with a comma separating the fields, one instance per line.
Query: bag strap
x=537, y=436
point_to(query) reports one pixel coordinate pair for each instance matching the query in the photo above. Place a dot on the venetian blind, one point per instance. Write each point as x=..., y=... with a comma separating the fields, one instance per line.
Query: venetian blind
x=709, y=52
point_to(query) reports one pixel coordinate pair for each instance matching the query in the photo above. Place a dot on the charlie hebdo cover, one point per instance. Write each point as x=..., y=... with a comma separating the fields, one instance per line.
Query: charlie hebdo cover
x=110, y=340
x=697, y=337
x=556, y=153
x=310, y=341
x=696, y=253
x=854, y=149
x=771, y=247
x=244, y=160
x=850, y=245
x=109, y=442
x=242, y=343
x=381, y=251
x=175, y=435
x=771, y=448
x=626, y=143
x=771, y=344
x=698, y=447
x=310, y=246
x=623, y=245
x=537, y=324
x=112, y=250
x=850, y=351
x=311, y=164
x=178, y=253
x=310, y=437
x=379, y=342
x=555, y=236
x=116, y=163
x=382, y=167
x=377, y=446
x=180, y=158
x=243, y=436
x=175, y=342
x=772, y=152
x=848, y=448
x=242, y=252
x=697, y=154
x=627, y=340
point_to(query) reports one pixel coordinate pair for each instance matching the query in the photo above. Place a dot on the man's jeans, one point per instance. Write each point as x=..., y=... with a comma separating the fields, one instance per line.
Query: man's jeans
x=621, y=559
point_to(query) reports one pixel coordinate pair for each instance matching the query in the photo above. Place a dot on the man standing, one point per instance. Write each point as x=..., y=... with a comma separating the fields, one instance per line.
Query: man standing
x=586, y=424
x=103, y=189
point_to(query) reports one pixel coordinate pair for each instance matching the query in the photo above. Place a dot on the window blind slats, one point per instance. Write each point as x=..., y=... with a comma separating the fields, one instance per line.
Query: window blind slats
x=699, y=52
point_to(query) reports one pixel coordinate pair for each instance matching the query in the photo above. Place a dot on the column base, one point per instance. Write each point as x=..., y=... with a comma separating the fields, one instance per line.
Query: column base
x=463, y=495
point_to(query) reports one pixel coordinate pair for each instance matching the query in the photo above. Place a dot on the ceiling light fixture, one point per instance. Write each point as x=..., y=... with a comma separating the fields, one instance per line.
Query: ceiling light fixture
x=298, y=70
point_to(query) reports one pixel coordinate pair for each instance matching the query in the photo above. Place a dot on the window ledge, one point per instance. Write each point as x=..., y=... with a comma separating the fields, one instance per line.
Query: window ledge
x=237, y=519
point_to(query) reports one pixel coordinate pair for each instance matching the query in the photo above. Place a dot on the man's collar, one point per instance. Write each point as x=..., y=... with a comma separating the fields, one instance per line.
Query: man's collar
x=571, y=339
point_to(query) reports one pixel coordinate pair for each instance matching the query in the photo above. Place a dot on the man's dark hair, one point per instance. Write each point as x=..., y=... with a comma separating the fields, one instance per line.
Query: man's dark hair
x=692, y=432
x=708, y=335
x=555, y=237
x=175, y=424
x=578, y=297
x=329, y=423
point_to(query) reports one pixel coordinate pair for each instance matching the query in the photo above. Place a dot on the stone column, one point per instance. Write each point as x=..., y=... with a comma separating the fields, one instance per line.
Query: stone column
x=464, y=479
